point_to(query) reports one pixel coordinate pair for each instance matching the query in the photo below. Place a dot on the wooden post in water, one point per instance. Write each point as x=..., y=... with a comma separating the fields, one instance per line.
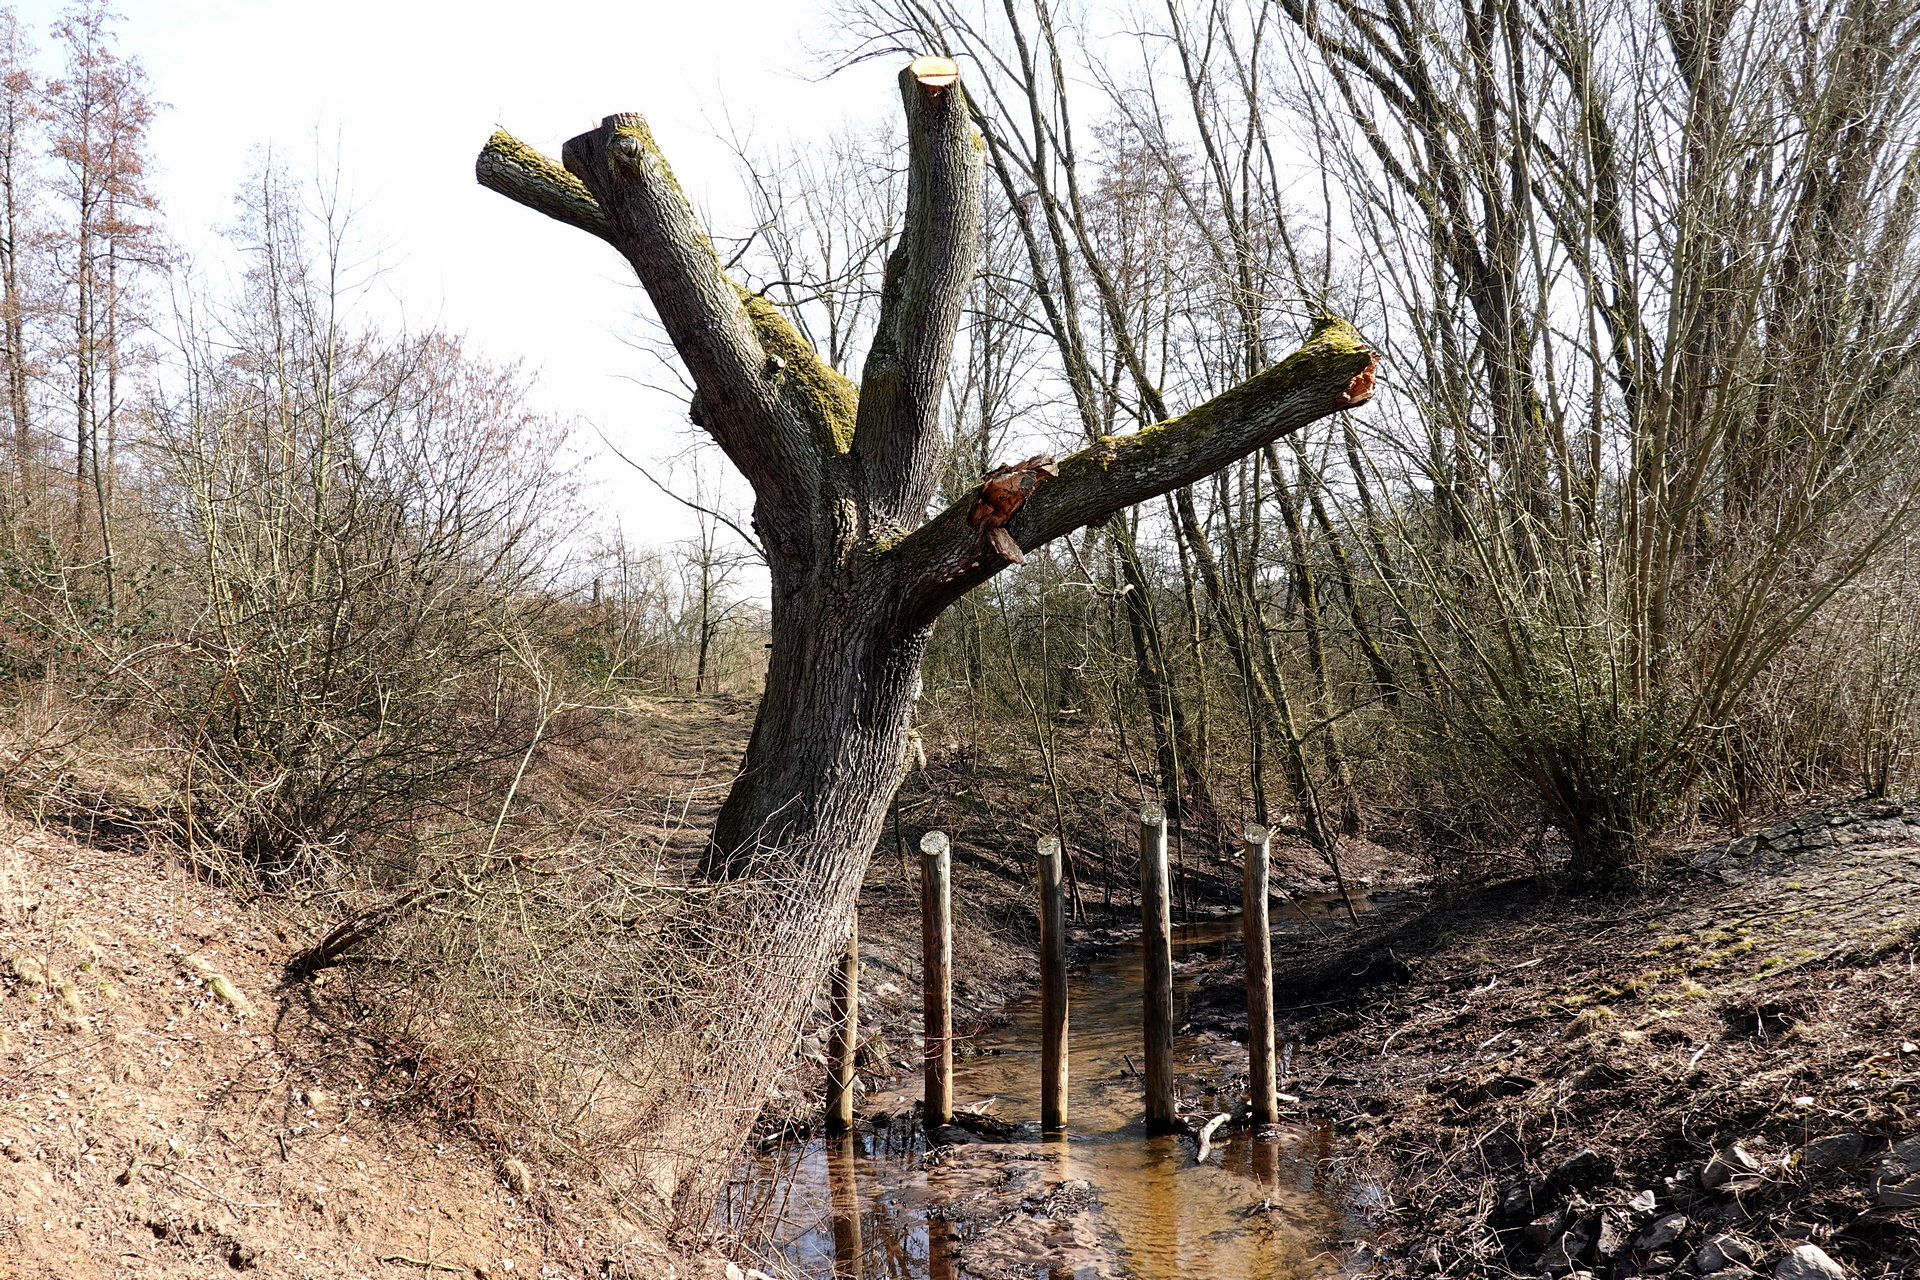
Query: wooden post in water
x=936, y=976
x=1263, y=1084
x=1053, y=987
x=1156, y=944
x=843, y=989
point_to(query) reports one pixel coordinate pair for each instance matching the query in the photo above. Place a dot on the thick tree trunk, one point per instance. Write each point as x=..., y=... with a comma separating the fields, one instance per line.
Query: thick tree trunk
x=830, y=735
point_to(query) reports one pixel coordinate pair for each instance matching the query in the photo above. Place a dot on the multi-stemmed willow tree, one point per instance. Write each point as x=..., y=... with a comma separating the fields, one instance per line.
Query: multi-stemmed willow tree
x=844, y=478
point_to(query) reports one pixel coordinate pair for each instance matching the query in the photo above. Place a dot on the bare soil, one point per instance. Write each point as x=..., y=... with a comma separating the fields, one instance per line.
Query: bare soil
x=1696, y=1079
x=167, y=1111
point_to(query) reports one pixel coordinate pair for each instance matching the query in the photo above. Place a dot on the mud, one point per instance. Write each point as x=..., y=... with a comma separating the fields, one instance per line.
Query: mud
x=1698, y=1079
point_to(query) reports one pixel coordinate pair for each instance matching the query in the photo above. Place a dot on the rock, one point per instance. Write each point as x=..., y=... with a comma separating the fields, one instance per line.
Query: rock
x=1522, y=1200
x=1661, y=1232
x=1902, y=1160
x=1564, y=1254
x=1726, y=1165
x=1541, y=1231
x=1644, y=1202
x=1610, y=1236
x=517, y=1176
x=1808, y=1262
x=1723, y=1252
x=1584, y=1168
x=1899, y=1195
x=1833, y=1151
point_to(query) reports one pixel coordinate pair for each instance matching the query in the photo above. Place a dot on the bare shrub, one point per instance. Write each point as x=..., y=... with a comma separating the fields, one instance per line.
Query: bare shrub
x=364, y=527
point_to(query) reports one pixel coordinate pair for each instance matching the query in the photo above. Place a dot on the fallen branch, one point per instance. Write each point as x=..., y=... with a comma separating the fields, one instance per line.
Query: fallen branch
x=1207, y=1131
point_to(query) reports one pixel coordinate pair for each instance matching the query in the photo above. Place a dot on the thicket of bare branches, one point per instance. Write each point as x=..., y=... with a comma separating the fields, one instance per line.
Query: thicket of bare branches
x=1645, y=456
x=306, y=597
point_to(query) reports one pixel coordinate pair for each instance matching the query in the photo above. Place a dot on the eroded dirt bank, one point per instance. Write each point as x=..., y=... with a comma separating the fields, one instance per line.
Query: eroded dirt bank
x=163, y=1113
x=1718, y=1076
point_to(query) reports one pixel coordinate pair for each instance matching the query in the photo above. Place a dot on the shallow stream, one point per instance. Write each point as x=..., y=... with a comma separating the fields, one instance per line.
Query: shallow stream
x=857, y=1206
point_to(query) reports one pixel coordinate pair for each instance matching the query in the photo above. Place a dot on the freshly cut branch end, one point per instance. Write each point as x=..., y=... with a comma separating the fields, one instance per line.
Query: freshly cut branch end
x=1360, y=389
x=935, y=73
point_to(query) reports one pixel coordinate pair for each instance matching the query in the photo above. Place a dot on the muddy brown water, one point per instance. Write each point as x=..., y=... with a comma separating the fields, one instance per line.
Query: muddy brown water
x=856, y=1207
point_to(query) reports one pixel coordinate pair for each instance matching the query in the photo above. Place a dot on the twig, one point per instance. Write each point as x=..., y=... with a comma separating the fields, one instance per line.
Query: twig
x=416, y=1262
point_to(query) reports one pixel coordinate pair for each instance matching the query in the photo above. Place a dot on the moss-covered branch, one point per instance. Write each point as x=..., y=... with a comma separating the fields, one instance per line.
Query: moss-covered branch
x=779, y=412
x=521, y=174
x=948, y=557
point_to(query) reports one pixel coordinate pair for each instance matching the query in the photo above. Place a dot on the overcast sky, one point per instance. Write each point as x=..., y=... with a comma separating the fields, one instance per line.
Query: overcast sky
x=408, y=90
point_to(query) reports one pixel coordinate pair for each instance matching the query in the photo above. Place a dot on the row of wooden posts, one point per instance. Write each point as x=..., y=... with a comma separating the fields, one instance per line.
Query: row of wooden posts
x=1156, y=932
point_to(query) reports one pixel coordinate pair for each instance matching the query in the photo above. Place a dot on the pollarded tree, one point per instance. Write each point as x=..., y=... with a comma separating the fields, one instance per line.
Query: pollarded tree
x=843, y=479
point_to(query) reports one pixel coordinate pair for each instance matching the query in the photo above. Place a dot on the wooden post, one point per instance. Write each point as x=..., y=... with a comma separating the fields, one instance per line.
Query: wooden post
x=843, y=989
x=1156, y=943
x=936, y=976
x=1053, y=988
x=1262, y=1084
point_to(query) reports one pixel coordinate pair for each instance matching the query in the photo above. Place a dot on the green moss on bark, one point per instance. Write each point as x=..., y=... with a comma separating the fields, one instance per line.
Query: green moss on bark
x=831, y=401
x=1334, y=349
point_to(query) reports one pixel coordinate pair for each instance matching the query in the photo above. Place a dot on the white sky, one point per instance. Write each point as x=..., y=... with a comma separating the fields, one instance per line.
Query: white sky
x=408, y=90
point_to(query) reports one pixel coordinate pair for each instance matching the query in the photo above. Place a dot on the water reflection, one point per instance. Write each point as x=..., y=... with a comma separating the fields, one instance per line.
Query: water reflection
x=856, y=1207
x=843, y=1183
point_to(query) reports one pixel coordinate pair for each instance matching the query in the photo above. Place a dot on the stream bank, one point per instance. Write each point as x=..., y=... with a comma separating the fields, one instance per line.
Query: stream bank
x=1717, y=1076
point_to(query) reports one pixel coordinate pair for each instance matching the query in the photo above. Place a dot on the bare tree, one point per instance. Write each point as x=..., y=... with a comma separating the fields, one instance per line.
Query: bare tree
x=22, y=115
x=99, y=113
x=843, y=478
x=362, y=521
x=1643, y=259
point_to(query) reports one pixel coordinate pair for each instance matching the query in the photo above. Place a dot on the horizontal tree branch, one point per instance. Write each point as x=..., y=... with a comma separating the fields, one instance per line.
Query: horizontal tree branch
x=515, y=170
x=949, y=555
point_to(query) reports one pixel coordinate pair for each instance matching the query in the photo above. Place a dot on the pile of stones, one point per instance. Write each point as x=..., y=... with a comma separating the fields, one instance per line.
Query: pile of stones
x=1718, y=1221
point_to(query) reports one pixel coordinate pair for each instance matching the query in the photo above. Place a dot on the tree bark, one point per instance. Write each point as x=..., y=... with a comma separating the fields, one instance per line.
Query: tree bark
x=843, y=481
